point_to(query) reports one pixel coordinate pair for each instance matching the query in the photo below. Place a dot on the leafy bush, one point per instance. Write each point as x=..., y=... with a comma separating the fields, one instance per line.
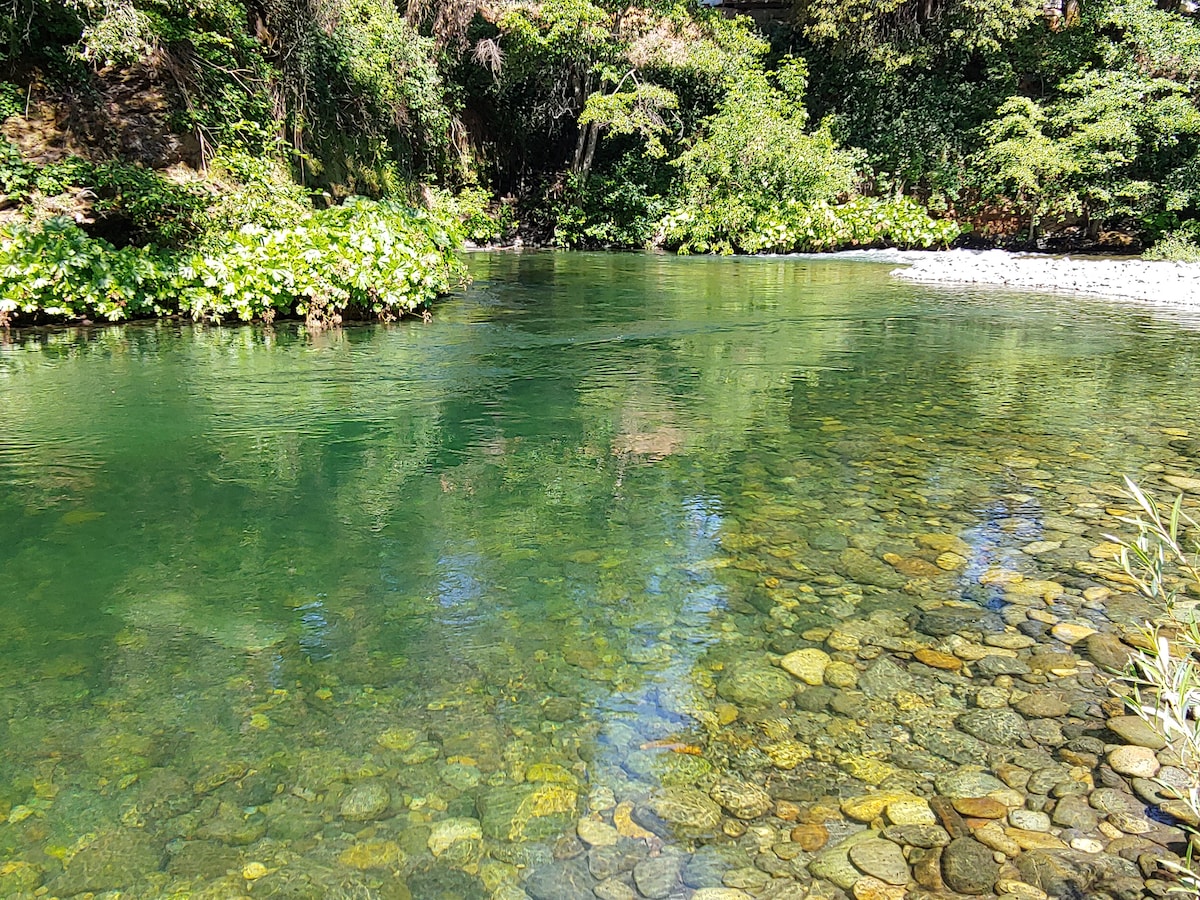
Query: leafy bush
x=366, y=258
x=1181, y=245
x=363, y=257
x=620, y=208
x=805, y=227
x=57, y=270
x=756, y=149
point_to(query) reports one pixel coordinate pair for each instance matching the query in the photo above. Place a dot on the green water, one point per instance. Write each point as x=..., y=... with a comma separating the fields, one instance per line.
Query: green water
x=243, y=570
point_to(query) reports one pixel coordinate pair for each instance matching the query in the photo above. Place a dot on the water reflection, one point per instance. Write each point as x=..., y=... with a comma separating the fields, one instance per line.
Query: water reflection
x=538, y=556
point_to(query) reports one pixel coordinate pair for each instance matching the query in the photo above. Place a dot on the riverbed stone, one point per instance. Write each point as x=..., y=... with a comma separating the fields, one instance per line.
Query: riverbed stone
x=834, y=864
x=1133, y=730
x=884, y=679
x=862, y=568
x=968, y=783
x=522, y=812
x=365, y=801
x=742, y=799
x=881, y=859
x=995, y=664
x=755, y=685
x=968, y=867
x=1029, y=819
x=687, y=811
x=1041, y=705
x=808, y=665
x=995, y=726
x=953, y=620
x=114, y=860
x=1075, y=812
x=1135, y=761
x=446, y=832
x=658, y=876
x=1107, y=651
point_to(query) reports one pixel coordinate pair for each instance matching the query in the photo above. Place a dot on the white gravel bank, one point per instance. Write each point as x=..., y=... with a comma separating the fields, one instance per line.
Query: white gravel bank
x=1176, y=284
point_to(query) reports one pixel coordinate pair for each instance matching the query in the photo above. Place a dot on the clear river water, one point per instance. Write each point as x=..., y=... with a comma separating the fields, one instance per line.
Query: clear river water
x=495, y=606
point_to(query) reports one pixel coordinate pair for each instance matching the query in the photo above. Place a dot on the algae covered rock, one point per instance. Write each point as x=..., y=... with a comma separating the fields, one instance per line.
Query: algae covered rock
x=756, y=685
x=528, y=812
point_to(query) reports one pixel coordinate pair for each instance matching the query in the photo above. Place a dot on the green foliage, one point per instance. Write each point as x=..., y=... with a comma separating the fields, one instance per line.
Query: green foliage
x=620, y=209
x=1182, y=245
x=638, y=110
x=756, y=152
x=483, y=221
x=363, y=71
x=57, y=270
x=12, y=99
x=252, y=190
x=362, y=257
x=1162, y=683
x=806, y=227
x=149, y=208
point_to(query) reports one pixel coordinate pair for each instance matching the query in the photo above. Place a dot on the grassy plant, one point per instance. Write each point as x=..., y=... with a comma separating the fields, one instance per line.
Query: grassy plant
x=1162, y=685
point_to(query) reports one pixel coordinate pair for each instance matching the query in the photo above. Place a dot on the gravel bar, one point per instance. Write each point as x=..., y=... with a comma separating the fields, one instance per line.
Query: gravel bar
x=1168, y=283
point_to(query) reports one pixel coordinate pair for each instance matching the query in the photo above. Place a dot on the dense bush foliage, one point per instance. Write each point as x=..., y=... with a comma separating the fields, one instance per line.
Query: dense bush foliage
x=366, y=259
x=806, y=227
x=370, y=259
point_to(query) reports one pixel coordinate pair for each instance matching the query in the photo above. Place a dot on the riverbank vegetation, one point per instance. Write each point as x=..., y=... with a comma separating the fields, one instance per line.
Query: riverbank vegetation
x=160, y=146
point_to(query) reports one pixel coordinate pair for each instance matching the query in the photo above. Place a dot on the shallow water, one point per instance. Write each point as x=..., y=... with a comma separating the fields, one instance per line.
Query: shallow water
x=499, y=571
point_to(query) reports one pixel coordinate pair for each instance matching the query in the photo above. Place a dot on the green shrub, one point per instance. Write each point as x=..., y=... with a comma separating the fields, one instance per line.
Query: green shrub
x=1181, y=245
x=363, y=257
x=368, y=259
x=56, y=270
x=617, y=210
x=805, y=227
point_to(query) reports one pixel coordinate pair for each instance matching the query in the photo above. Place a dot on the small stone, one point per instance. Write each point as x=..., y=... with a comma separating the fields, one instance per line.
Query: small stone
x=1029, y=820
x=945, y=543
x=1019, y=890
x=373, y=855
x=1042, y=706
x=1135, y=761
x=365, y=801
x=841, y=675
x=447, y=832
x=980, y=807
x=910, y=812
x=1132, y=730
x=881, y=859
x=936, y=660
x=626, y=827
x=869, y=807
x=658, y=876
x=1034, y=840
x=807, y=665
x=787, y=754
x=992, y=835
x=720, y=893
x=1107, y=651
x=968, y=867
x=1189, y=485
x=742, y=799
x=1086, y=845
x=869, y=888
x=995, y=726
x=596, y=833
x=1071, y=633
x=811, y=836
x=253, y=871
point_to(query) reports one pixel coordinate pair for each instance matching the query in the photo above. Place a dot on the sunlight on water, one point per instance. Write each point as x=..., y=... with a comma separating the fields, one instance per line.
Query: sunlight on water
x=495, y=606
